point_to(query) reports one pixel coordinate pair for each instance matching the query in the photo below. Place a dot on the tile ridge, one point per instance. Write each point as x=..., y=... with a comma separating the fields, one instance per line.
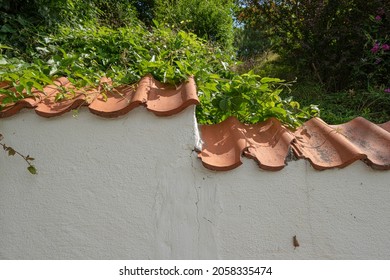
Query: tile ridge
x=280, y=139
x=180, y=96
x=116, y=102
x=385, y=126
x=148, y=92
x=371, y=139
x=49, y=107
x=225, y=144
x=325, y=147
x=266, y=142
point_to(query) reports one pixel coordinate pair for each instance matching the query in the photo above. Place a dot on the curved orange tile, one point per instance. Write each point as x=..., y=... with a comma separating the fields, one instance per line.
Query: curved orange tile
x=224, y=143
x=5, y=84
x=269, y=144
x=166, y=100
x=159, y=98
x=370, y=139
x=324, y=146
x=48, y=107
x=385, y=126
x=13, y=108
x=119, y=101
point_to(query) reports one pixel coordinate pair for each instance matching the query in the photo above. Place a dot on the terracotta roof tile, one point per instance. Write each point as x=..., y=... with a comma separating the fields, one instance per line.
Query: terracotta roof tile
x=165, y=100
x=224, y=143
x=49, y=107
x=370, y=139
x=116, y=102
x=161, y=99
x=11, y=109
x=385, y=126
x=325, y=146
x=4, y=84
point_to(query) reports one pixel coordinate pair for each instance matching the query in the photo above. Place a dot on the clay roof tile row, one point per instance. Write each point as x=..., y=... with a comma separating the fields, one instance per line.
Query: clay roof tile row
x=269, y=143
x=107, y=101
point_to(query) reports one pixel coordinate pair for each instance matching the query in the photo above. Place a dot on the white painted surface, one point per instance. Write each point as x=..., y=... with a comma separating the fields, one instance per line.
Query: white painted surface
x=132, y=188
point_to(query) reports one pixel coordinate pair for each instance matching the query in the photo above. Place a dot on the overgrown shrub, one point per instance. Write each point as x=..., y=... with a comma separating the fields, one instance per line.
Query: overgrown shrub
x=211, y=20
x=126, y=54
x=325, y=39
x=373, y=69
x=23, y=22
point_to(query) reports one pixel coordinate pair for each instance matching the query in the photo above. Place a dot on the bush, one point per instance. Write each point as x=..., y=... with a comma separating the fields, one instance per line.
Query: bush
x=126, y=54
x=211, y=20
x=373, y=69
x=325, y=39
x=86, y=52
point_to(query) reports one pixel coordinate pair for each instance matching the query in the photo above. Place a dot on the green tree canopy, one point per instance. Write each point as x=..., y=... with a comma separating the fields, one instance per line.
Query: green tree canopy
x=327, y=37
x=209, y=19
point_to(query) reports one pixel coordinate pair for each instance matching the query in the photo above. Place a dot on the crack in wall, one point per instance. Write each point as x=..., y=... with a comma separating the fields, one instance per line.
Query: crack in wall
x=197, y=200
x=308, y=197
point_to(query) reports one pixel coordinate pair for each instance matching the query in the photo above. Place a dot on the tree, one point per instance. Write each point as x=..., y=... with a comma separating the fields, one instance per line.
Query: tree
x=326, y=37
x=209, y=19
x=145, y=10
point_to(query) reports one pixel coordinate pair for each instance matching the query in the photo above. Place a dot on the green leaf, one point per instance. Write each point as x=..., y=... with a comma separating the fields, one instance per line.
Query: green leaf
x=19, y=88
x=7, y=29
x=11, y=152
x=278, y=111
x=271, y=80
x=32, y=169
x=294, y=104
x=7, y=100
x=5, y=47
x=223, y=104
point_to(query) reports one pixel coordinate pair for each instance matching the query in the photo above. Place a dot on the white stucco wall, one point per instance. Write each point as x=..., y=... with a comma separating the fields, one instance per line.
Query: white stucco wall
x=132, y=188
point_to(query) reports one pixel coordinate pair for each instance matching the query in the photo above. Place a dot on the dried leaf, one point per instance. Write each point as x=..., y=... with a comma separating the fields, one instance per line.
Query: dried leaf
x=295, y=242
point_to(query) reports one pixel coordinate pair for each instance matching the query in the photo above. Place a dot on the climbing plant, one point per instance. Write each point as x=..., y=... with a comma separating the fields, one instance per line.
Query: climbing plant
x=126, y=54
x=12, y=152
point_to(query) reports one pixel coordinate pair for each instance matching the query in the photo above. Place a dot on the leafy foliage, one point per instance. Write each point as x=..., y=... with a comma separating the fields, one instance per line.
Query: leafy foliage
x=122, y=48
x=211, y=20
x=325, y=37
x=126, y=54
x=145, y=10
x=373, y=68
x=251, y=42
x=343, y=106
x=253, y=99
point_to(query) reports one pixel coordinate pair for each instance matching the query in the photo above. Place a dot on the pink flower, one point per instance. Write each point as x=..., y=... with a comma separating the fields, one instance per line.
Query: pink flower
x=375, y=48
x=385, y=47
x=387, y=90
x=378, y=18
